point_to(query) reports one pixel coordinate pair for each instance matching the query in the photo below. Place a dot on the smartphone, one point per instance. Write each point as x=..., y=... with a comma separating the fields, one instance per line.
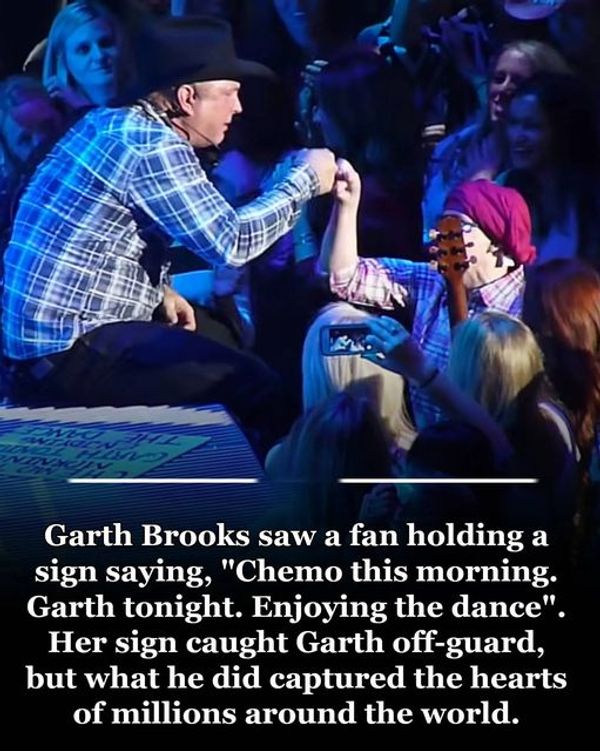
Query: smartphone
x=345, y=339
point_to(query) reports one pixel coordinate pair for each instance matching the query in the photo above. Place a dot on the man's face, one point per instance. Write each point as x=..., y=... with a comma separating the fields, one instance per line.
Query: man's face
x=215, y=105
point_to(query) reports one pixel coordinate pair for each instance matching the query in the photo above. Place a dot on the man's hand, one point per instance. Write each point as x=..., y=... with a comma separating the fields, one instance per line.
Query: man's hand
x=346, y=189
x=176, y=310
x=323, y=163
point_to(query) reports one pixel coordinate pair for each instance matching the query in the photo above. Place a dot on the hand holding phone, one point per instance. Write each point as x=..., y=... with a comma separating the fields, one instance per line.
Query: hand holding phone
x=345, y=339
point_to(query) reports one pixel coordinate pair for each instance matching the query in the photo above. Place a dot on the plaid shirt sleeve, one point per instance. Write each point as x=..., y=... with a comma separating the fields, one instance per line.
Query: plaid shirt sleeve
x=378, y=282
x=171, y=188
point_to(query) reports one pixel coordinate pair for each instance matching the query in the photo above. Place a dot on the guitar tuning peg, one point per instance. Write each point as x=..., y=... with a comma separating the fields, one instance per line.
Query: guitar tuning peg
x=433, y=234
x=472, y=259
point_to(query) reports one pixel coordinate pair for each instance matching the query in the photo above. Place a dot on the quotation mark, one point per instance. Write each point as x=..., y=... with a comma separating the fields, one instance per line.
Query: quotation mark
x=551, y=600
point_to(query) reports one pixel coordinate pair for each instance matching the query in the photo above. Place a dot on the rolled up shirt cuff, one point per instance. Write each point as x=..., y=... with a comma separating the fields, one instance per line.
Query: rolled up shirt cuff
x=341, y=277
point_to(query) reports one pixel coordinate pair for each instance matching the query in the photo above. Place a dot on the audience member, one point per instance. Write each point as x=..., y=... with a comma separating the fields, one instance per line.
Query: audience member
x=324, y=375
x=412, y=37
x=497, y=230
x=86, y=61
x=259, y=145
x=29, y=122
x=478, y=151
x=554, y=153
x=496, y=363
x=562, y=307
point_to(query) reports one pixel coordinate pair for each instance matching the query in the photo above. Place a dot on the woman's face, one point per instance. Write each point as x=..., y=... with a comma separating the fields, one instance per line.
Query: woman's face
x=91, y=56
x=529, y=133
x=511, y=70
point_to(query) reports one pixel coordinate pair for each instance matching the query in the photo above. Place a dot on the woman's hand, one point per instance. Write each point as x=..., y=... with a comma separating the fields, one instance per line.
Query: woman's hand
x=346, y=188
x=466, y=42
x=395, y=349
x=72, y=99
x=483, y=159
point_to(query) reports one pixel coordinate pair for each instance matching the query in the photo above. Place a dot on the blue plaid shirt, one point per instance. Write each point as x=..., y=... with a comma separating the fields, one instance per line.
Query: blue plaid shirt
x=89, y=239
x=387, y=283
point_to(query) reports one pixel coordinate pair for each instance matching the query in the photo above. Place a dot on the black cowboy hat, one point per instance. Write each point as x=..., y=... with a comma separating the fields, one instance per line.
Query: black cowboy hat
x=188, y=49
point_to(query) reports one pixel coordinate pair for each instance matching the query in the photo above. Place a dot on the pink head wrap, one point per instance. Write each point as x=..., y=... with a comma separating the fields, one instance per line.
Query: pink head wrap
x=500, y=212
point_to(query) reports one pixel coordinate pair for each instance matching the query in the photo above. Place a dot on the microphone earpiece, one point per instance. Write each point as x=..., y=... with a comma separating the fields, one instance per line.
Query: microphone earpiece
x=206, y=138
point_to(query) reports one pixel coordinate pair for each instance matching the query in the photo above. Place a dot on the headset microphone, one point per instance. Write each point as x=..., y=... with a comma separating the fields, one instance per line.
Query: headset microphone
x=203, y=135
x=188, y=127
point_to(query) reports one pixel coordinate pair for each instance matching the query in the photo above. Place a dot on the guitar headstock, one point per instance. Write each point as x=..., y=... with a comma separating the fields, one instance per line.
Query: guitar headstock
x=449, y=250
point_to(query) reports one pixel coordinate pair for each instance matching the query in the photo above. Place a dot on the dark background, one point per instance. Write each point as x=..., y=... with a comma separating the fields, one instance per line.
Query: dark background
x=23, y=23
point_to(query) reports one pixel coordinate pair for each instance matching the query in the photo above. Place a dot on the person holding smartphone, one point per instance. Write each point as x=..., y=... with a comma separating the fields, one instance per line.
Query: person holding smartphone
x=496, y=232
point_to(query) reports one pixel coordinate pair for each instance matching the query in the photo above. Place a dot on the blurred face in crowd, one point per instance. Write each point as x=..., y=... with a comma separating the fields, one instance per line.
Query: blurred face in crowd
x=29, y=125
x=512, y=69
x=529, y=133
x=92, y=56
x=572, y=28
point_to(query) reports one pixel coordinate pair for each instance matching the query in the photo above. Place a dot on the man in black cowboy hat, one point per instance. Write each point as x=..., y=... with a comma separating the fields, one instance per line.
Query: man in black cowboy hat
x=86, y=269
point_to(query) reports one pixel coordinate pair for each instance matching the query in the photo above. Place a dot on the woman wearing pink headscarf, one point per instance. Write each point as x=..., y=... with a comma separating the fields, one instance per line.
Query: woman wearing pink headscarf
x=496, y=227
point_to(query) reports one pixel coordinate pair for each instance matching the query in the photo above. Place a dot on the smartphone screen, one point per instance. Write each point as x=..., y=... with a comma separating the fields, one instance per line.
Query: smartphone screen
x=344, y=339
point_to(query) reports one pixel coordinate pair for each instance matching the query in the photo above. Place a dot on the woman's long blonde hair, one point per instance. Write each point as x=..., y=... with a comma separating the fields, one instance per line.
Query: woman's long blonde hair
x=493, y=357
x=323, y=376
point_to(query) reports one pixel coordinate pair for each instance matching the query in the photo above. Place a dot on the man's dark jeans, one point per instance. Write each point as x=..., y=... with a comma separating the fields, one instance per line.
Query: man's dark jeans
x=140, y=362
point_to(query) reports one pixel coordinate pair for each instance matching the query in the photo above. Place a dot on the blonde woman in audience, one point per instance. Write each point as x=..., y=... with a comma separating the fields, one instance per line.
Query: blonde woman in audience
x=493, y=357
x=496, y=364
x=478, y=150
x=324, y=375
x=86, y=62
